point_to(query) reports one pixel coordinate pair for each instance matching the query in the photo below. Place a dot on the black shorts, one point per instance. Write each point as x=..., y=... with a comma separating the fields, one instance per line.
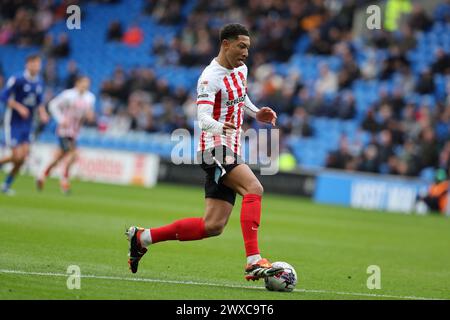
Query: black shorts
x=67, y=144
x=217, y=162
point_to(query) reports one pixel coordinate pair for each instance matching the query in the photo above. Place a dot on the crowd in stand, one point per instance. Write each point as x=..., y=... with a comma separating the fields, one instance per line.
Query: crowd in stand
x=405, y=137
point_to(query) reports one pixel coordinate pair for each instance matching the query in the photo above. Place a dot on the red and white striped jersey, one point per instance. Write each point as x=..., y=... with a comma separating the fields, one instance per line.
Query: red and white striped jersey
x=225, y=91
x=69, y=108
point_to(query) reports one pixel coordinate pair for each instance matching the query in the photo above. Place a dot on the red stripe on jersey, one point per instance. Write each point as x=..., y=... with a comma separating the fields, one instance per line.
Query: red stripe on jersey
x=228, y=118
x=241, y=75
x=217, y=103
x=238, y=126
x=236, y=84
x=216, y=114
x=231, y=108
x=202, y=141
x=205, y=102
x=229, y=90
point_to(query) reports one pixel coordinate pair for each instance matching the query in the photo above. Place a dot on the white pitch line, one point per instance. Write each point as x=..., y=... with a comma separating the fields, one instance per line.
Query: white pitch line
x=373, y=295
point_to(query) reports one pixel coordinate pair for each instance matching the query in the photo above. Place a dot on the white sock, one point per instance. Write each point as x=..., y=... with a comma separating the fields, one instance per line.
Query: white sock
x=253, y=259
x=146, y=238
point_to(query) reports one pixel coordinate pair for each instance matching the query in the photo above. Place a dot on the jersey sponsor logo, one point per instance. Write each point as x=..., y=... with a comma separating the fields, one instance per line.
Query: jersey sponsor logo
x=205, y=95
x=235, y=101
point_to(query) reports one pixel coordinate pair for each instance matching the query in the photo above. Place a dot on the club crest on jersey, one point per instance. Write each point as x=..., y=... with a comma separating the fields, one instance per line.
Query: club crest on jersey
x=203, y=86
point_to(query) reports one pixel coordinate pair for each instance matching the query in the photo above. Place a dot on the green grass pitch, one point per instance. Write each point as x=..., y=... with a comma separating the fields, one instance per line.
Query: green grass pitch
x=41, y=234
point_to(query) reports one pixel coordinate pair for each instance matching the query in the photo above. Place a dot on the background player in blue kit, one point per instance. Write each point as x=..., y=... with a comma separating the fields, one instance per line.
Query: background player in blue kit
x=22, y=95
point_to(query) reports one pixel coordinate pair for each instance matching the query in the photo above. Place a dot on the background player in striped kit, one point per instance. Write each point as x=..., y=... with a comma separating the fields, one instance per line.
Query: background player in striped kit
x=22, y=95
x=70, y=108
x=222, y=100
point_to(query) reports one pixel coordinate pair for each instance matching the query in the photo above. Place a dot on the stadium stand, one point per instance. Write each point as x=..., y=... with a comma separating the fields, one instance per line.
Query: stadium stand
x=377, y=103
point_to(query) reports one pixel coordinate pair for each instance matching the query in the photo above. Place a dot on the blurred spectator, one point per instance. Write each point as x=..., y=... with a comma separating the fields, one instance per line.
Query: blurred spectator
x=349, y=71
x=369, y=161
x=408, y=160
x=62, y=48
x=428, y=148
x=50, y=74
x=299, y=124
x=317, y=44
x=340, y=158
x=385, y=146
x=394, y=63
x=436, y=199
x=397, y=102
x=442, y=62
x=115, y=32
x=419, y=20
x=442, y=12
x=166, y=11
x=343, y=106
x=117, y=86
x=72, y=74
x=407, y=81
x=369, y=69
x=327, y=81
x=133, y=36
x=425, y=84
x=2, y=76
x=369, y=123
x=406, y=39
x=6, y=32
x=44, y=16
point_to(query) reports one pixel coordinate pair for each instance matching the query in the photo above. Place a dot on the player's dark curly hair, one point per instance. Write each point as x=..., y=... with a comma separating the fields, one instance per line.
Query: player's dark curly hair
x=232, y=31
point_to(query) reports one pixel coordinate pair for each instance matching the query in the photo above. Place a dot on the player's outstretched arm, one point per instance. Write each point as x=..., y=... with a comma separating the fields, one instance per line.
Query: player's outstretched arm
x=265, y=114
x=55, y=107
x=20, y=108
x=43, y=115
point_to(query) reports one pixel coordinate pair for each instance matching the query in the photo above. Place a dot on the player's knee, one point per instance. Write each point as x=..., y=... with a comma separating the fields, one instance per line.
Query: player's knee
x=255, y=187
x=214, y=228
x=18, y=159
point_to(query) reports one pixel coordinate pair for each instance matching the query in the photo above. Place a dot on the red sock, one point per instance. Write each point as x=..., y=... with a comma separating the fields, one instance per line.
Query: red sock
x=184, y=230
x=47, y=172
x=250, y=219
x=66, y=172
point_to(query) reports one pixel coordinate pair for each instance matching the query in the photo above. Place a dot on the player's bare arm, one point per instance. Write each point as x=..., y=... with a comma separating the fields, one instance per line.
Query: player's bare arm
x=43, y=115
x=20, y=108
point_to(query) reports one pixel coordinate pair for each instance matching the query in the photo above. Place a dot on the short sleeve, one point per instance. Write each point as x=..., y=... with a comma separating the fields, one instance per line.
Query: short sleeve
x=9, y=88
